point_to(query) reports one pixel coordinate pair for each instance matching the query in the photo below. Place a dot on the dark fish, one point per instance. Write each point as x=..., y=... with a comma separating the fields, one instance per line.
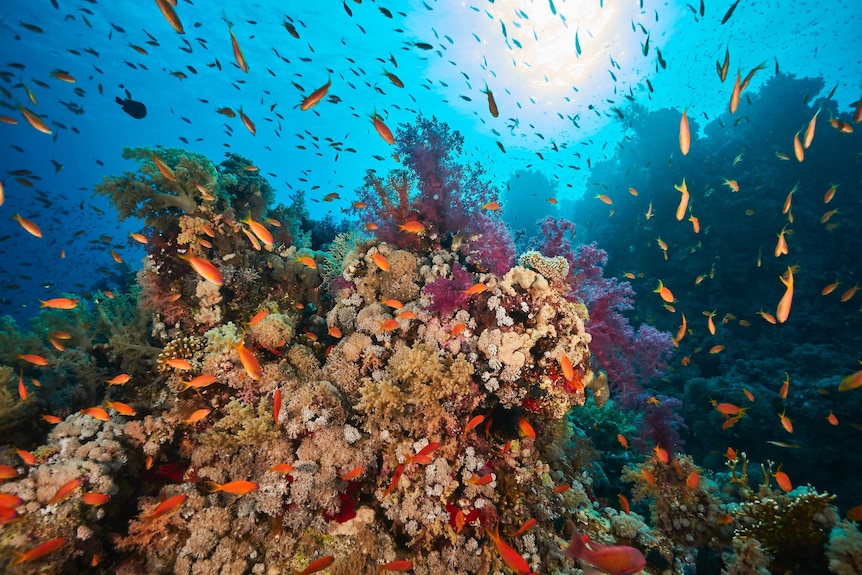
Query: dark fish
x=133, y=108
x=729, y=12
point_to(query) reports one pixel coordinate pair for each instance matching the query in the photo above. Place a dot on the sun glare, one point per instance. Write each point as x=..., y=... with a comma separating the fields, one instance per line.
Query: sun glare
x=545, y=62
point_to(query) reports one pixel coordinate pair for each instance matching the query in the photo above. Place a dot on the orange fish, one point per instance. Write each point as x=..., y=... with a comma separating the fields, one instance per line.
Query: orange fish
x=412, y=227
x=276, y=405
x=604, y=198
x=205, y=269
x=96, y=499
x=474, y=421
x=623, y=441
x=167, y=8
x=809, y=131
x=475, y=289
x=783, y=311
x=197, y=416
x=177, y=363
x=785, y=422
x=258, y=317
x=491, y=206
x=830, y=288
x=406, y=315
x=680, y=333
x=65, y=490
x=393, y=303
x=34, y=120
x=249, y=361
x=785, y=387
x=526, y=429
x=510, y=557
x=847, y=295
x=247, y=122
x=9, y=500
x=615, y=559
x=692, y=480
x=40, y=550
x=732, y=184
x=684, y=134
x=767, y=316
x=396, y=476
x=382, y=129
x=121, y=408
x=423, y=457
x=97, y=413
x=492, y=104
x=567, y=368
x=26, y=457
x=237, y=53
x=28, y=225
x=398, y=566
x=234, y=487
x=830, y=193
x=624, y=503
x=334, y=331
x=167, y=506
x=307, y=262
x=716, y=349
x=282, y=468
x=832, y=419
x=7, y=472
x=119, y=379
x=798, y=151
x=855, y=513
x=199, y=382
x=710, y=324
x=259, y=230
x=480, y=479
x=734, y=96
x=748, y=394
x=661, y=454
x=852, y=381
x=316, y=96
x=381, y=261
x=317, y=565
x=353, y=473
x=783, y=481
x=59, y=303
x=664, y=292
x=388, y=325
x=695, y=223
x=457, y=329
x=52, y=419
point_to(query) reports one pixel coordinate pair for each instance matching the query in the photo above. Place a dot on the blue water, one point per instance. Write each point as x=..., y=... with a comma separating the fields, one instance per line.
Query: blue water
x=537, y=88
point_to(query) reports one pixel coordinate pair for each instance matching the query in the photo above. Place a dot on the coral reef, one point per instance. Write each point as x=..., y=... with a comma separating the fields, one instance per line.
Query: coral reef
x=404, y=397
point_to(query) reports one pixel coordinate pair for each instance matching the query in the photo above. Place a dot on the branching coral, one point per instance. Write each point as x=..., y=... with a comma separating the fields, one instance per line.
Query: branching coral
x=793, y=528
x=151, y=193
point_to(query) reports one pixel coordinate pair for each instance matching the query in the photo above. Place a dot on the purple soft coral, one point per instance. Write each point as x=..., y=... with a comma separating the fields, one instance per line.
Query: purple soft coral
x=445, y=196
x=448, y=294
x=629, y=358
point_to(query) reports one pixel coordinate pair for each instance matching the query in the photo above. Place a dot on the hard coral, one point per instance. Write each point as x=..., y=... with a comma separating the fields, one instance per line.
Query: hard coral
x=794, y=528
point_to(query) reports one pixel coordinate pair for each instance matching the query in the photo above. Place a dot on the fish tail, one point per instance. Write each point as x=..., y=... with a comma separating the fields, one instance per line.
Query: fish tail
x=118, y=100
x=576, y=546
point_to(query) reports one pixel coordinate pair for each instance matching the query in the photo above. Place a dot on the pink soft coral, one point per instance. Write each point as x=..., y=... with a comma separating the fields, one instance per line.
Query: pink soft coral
x=445, y=196
x=630, y=358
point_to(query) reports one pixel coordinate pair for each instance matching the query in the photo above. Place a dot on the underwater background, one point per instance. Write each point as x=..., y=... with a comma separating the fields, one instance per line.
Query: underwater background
x=438, y=287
